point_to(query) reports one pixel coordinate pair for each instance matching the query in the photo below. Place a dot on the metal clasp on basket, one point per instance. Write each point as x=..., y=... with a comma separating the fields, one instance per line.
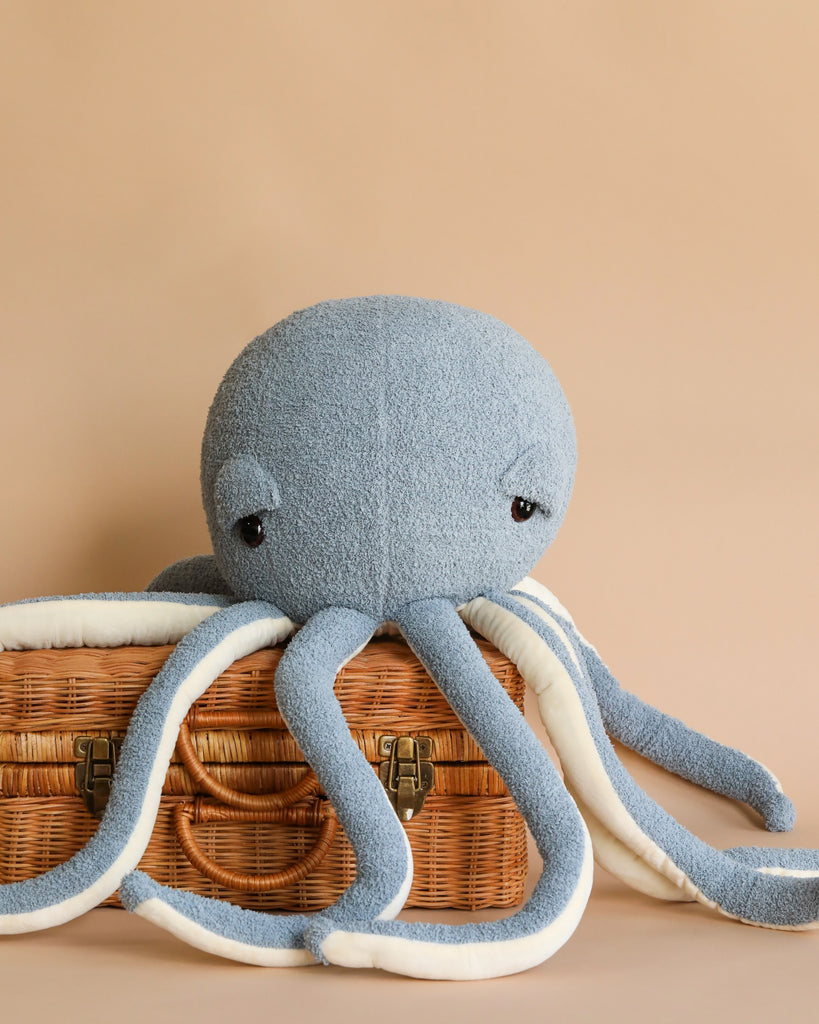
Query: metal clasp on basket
x=94, y=772
x=409, y=774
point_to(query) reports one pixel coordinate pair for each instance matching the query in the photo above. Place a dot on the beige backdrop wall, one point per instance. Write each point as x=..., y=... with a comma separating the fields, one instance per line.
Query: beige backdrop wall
x=632, y=186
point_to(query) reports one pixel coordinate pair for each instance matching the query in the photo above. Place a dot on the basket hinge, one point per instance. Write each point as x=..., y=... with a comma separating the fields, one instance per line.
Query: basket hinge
x=95, y=769
x=408, y=774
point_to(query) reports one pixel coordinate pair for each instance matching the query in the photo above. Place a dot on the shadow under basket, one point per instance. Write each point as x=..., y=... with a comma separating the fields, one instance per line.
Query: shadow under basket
x=242, y=817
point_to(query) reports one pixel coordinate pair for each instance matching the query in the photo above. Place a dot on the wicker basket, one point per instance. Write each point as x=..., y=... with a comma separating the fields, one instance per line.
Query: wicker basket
x=221, y=828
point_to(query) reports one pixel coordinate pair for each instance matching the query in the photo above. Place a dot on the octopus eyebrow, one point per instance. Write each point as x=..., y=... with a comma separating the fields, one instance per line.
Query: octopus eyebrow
x=529, y=476
x=243, y=487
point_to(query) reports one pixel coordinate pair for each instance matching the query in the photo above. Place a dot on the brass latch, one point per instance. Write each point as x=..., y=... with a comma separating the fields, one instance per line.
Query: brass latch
x=95, y=769
x=409, y=774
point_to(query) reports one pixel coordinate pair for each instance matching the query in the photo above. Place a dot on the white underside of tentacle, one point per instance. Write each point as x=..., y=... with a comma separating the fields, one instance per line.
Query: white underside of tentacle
x=459, y=960
x=242, y=641
x=194, y=934
x=463, y=961
x=620, y=845
x=98, y=622
x=160, y=913
x=396, y=904
x=542, y=593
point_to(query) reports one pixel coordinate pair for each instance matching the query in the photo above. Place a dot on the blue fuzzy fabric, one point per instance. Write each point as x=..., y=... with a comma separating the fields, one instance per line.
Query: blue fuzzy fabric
x=129, y=790
x=196, y=575
x=668, y=742
x=392, y=430
x=737, y=889
x=304, y=695
x=443, y=644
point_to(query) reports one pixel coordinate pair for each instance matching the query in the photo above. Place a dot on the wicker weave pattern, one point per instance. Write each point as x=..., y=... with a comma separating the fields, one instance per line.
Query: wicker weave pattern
x=49, y=690
x=469, y=842
x=469, y=852
x=58, y=779
x=262, y=746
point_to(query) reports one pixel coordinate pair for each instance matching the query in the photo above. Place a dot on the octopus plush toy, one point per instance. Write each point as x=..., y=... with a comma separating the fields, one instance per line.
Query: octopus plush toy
x=391, y=463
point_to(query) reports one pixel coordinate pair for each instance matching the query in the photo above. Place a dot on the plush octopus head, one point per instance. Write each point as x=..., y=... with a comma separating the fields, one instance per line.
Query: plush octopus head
x=371, y=452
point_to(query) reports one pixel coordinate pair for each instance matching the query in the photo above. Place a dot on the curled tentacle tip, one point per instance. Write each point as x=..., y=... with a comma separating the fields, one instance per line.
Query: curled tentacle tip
x=135, y=888
x=779, y=814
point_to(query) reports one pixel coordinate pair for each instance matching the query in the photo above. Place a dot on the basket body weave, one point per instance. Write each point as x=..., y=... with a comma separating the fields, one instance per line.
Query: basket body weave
x=468, y=841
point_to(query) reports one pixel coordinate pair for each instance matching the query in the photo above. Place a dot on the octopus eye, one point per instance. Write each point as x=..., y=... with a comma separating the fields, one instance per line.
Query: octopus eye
x=522, y=509
x=251, y=530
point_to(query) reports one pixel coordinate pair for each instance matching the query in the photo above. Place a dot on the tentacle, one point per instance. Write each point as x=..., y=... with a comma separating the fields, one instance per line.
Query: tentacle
x=104, y=620
x=534, y=933
x=304, y=695
x=94, y=873
x=666, y=740
x=197, y=575
x=531, y=637
x=804, y=863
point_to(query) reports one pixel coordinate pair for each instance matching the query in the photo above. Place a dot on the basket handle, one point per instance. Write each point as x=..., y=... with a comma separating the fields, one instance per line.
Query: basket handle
x=320, y=814
x=307, y=785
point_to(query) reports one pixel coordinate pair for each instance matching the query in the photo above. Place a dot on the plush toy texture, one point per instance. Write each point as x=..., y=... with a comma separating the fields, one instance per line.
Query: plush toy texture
x=389, y=461
x=379, y=478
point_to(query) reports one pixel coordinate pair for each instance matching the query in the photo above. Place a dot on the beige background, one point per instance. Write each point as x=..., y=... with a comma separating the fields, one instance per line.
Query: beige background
x=633, y=186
